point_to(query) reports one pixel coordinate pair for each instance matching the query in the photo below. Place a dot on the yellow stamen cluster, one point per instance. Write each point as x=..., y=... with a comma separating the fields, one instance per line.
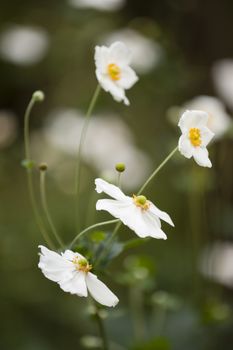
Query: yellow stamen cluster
x=114, y=71
x=141, y=201
x=195, y=136
x=81, y=264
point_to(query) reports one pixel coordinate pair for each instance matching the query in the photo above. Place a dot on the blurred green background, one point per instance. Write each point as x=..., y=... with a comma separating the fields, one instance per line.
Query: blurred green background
x=174, y=294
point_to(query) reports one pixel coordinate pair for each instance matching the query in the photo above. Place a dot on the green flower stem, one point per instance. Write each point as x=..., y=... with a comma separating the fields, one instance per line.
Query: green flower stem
x=137, y=311
x=119, y=180
x=80, y=147
x=155, y=172
x=103, y=223
x=29, y=174
x=45, y=207
x=118, y=225
x=102, y=330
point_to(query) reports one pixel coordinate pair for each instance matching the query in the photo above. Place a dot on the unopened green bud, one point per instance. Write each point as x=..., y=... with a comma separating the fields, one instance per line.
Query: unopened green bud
x=120, y=167
x=43, y=167
x=38, y=96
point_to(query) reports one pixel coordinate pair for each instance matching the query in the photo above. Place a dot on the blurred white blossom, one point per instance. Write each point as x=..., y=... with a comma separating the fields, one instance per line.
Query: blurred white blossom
x=23, y=45
x=217, y=263
x=8, y=128
x=146, y=53
x=195, y=136
x=108, y=141
x=136, y=212
x=218, y=119
x=223, y=80
x=104, y=5
x=72, y=272
x=113, y=71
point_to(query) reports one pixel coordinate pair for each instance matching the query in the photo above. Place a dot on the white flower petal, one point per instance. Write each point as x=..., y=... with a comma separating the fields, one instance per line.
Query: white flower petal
x=206, y=136
x=99, y=291
x=112, y=190
x=119, y=54
x=185, y=146
x=192, y=119
x=76, y=285
x=54, y=266
x=149, y=222
x=69, y=255
x=133, y=217
x=101, y=58
x=128, y=78
x=161, y=214
x=110, y=86
x=201, y=157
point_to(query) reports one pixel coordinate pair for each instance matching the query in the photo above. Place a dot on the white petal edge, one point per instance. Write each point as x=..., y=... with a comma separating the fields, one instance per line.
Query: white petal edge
x=100, y=292
x=185, y=147
x=76, y=285
x=192, y=119
x=111, y=190
x=201, y=157
x=119, y=54
x=161, y=214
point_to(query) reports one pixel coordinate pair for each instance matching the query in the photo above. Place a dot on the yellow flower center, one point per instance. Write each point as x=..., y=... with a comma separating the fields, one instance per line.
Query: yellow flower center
x=114, y=71
x=141, y=201
x=195, y=136
x=81, y=264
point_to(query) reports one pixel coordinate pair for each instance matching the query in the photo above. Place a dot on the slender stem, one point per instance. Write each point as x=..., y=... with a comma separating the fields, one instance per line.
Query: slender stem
x=119, y=179
x=36, y=211
x=29, y=174
x=156, y=171
x=45, y=207
x=98, y=318
x=102, y=330
x=136, y=303
x=80, y=147
x=26, y=128
x=103, y=223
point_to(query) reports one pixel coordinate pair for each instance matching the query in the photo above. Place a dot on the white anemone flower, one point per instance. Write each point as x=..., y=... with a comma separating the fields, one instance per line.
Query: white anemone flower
x=195, y=137
x=72, y=272
x=146, y=53
x=113, y=71
x=219, y=120
x=136, y=212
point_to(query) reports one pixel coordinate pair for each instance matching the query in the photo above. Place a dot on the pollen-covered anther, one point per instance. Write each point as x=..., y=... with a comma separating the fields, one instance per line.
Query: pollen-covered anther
x=141, y=201
x=114, y=71
x=195, y=136
x=81, y=264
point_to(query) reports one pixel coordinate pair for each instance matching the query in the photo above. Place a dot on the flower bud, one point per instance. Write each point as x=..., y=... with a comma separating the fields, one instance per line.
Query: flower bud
x=43, y=166
x=38, y=96
x=120, y=167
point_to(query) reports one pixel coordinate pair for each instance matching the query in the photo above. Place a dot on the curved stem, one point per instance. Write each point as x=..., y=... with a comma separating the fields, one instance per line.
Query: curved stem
x=45, y=207
x=103, y=223
x=155, y=172
x=26, y=128
x=29, y=174
x=80, y=147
